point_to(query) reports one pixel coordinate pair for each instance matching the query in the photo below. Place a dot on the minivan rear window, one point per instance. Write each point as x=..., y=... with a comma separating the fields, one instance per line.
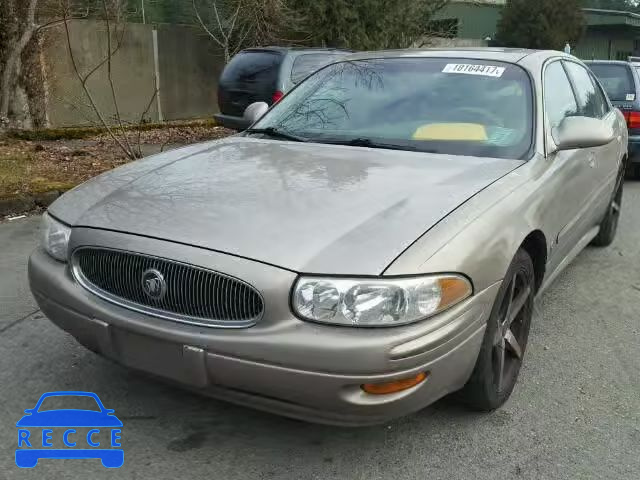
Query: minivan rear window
x=308, y=63
x=616, y=80
x=252, y=67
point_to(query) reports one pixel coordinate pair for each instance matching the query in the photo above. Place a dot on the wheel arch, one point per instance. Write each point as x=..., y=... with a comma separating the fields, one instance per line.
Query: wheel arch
x=535, y=244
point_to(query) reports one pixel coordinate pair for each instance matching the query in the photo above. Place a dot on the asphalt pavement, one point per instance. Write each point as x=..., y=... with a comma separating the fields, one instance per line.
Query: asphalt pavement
x=575, y=413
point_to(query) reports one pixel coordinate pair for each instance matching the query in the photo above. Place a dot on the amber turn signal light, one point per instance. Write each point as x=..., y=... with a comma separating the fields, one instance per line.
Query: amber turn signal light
x=395, y=386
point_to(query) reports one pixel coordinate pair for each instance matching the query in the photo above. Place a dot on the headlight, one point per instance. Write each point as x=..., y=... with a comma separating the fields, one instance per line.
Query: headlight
x=55, y=238
x=377, y=302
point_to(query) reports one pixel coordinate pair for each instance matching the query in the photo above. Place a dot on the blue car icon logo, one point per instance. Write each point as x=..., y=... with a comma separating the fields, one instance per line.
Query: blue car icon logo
x=75, y=433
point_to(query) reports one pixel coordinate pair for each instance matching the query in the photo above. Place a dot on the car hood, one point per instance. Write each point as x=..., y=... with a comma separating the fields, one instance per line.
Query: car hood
x=69, y=418
x=305, y=207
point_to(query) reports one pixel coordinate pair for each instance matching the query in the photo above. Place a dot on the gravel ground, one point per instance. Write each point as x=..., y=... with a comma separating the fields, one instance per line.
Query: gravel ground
x=574, y=415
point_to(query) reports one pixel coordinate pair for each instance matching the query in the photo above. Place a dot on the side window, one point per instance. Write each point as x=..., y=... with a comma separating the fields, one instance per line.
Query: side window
x=590, y=102
x=306, y=64
x=559, y=101
x=600, y=94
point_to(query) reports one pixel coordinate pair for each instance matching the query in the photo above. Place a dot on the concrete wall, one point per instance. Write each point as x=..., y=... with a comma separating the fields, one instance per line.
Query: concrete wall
x=189, y=71
x=187, y=65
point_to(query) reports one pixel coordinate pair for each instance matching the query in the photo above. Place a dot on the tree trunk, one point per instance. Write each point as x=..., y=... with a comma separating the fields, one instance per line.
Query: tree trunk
x=9, y=74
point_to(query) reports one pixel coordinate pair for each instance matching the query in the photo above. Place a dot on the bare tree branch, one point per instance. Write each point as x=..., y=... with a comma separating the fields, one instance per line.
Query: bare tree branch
x=204, y=26
x=110, y=76
x=83, y=84
x=236, y=24
x=144, y=114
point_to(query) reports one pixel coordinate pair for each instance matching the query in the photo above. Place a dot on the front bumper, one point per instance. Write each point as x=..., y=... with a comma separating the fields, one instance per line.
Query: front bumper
x=281, y=365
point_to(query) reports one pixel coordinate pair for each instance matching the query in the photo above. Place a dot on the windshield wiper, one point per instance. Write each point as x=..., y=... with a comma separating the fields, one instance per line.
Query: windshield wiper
x=368, y=143
x=275, y=133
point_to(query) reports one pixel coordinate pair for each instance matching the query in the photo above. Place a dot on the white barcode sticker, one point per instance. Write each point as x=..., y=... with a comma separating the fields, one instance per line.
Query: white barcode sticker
x=631, y=97
x=470, y=69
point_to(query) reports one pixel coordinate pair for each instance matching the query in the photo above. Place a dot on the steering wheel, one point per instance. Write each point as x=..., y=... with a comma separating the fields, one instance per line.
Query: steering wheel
x=485, y=114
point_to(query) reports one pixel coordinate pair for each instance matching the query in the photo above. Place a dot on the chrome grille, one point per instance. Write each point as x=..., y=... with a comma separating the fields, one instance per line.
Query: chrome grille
x=185, y=293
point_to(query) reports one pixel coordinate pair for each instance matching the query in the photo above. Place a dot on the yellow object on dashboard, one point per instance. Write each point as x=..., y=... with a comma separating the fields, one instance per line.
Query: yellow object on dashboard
x=451, y=131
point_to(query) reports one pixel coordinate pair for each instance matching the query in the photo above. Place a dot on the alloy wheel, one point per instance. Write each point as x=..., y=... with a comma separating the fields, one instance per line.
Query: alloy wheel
x=513, y=326
x=616, y=206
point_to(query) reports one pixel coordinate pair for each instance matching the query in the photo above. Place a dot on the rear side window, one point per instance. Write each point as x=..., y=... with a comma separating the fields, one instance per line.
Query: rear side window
x=590, y=101
x=616, y=80
x=252, y=67
x=559, y=101
x=306, y=64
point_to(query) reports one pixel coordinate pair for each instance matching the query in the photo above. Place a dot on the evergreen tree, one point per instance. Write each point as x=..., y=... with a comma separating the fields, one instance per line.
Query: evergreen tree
x=541, y=24
x=367, y=24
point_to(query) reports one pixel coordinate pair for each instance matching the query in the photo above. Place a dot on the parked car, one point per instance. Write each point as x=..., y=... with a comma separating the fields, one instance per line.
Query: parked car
x=621, y=81
x=373, y=243
x=265, y=75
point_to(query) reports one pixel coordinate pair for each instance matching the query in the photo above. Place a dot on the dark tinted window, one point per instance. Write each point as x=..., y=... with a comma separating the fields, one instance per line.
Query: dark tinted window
x=616, y=80
x=69, y=402
x=304, y=65
x=590, y=103
x=442, y=105
x=559, y=101
x=602, y=96
x=252, y=67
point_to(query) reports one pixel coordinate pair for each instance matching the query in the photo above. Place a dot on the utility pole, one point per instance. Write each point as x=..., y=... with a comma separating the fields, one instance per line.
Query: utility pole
x=144, y=18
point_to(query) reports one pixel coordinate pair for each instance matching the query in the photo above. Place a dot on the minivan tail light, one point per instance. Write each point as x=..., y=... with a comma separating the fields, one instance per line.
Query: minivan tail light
x=277, y=96
x=633, y=118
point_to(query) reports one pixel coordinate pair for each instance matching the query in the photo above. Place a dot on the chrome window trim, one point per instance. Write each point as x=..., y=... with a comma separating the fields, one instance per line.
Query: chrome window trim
x=154, y=312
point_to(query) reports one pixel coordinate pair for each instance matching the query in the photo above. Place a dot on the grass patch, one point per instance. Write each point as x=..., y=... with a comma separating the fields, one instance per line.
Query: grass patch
x=55, y=134
x=14, y=173
x=42, y=185
x=79, y=133
x=23, y=173
x=39, y=165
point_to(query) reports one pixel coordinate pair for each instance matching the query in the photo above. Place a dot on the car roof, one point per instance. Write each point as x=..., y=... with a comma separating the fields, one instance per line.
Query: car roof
x=612, y=62
x=510, y=55
x=73, y=393
x=297, y=50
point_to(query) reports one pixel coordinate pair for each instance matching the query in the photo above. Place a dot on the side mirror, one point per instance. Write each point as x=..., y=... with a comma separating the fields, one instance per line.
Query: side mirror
x=581, y=132
x=29, y=410
x=255, y=111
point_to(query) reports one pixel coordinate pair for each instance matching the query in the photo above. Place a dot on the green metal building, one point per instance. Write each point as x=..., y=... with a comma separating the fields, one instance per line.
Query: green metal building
x=609, y=34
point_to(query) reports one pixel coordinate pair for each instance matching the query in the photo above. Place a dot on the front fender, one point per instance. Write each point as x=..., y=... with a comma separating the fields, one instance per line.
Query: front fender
x=481, y=237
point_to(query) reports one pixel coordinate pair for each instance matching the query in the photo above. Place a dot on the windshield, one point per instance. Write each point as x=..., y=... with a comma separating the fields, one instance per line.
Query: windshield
x=616, y=80
x=66, y=402
x=450, y=106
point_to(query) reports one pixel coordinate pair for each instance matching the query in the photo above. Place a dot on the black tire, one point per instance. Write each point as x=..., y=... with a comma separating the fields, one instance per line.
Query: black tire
x=632, y=171
x=491, y=385
x=609, y=224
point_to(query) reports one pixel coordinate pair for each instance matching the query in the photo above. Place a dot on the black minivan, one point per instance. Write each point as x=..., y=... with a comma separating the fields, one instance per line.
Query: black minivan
x=621, y=81
x=265, y=75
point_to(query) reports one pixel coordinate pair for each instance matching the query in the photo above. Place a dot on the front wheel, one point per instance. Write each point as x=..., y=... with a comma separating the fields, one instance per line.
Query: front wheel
x=505, y=339
x=609, y=224
x=633, y=171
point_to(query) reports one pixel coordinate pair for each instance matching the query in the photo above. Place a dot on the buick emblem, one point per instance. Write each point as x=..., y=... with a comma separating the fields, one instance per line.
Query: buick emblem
x=153, y=284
